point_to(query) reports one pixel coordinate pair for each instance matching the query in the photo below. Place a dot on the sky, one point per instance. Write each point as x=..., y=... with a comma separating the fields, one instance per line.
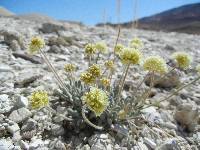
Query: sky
x=91, y=12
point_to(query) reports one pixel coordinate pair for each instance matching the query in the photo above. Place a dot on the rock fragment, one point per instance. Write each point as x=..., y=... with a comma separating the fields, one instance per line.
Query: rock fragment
x=20, y=115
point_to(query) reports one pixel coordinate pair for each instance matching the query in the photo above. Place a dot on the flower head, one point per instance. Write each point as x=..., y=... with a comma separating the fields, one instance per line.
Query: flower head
x=118, y=48
x=94, y=70
x=70, y=68
x=90, y=49
x=156, y=64
x=130, y=56
x=87, y=78
x=183, y=60
x=105, y=82
x=109, y=64
x=96, y=100
x=39, y=99
x=136, y=43
x=36, y=44
x=101, y=47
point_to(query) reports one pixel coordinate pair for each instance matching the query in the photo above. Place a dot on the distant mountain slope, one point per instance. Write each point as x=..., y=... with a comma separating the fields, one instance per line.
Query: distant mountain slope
x=182, y=19
x=5, y=12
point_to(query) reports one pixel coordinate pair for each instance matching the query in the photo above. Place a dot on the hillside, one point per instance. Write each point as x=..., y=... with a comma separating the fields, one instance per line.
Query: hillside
x=184, y=19
x=5, y=12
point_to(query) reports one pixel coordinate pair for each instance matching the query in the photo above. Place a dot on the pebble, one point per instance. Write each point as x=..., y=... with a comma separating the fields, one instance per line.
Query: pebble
x=20, y=115
x=23, y=145
x=5, y=105
x=21, y=101
x=149, y=142
x=13, y=128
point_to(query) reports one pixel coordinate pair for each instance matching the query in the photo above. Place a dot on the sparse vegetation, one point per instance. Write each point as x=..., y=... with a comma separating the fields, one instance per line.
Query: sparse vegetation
x=95, y=89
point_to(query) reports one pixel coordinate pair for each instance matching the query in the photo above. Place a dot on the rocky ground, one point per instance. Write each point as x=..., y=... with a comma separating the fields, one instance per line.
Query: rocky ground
x=178, y=120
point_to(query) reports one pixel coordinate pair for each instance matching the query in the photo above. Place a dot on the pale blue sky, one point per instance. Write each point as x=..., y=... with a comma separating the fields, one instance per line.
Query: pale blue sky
x=91, y=11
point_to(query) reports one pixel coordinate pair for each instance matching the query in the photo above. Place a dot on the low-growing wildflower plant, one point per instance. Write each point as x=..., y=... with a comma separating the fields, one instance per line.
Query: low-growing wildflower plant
x=39, y=99
x=90, y=49
x=136, y=43
x=183, y=59
x=130, y=56
x=95, y=70
x=105, y=82
x=97, y=89
x=118, y=48
x=69, y=68
x=109, y=64
x=96, y=100
x=155, y=64
x=101, y=47
x=87, y=78
x=36, y=44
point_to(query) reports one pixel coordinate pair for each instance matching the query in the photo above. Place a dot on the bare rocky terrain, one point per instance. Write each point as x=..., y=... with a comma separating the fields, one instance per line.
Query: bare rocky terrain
x=174, y=125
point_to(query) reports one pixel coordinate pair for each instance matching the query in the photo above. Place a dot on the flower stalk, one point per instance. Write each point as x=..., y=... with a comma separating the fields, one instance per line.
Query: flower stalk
x=175, y=92
x=121, y=86
x=88, y=121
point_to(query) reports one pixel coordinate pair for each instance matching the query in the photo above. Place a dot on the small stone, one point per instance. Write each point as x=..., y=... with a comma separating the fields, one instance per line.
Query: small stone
x=13, y=128
x=98, y=143
x=20, y=115
x=5, y=105
x=5, y=124
x=187, y=115
x=16, y=137
x=54, y=49
x=36, y=144
x=121, y=130
x=85, y=147
x=51, y=27
x=170, y=125
x=14, y=45
x=57, y=130
x=57, y=144
x=98, y=146
x=169, y=144
x=141, y=146
x=6, y=144
x=21, y=101
x=171, y=80
x=23, y=144
x=149, y=142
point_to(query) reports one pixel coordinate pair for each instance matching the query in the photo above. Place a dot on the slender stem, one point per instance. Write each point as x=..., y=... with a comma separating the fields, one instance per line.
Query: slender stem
x=123, y=73
x=97, y=58
x=135, y=91
x=151, y=86
x=88, y=121
x=122, y=84
x=118, y=34
x=58, y=78
x=146, y=94
x=140, y=84
x=50, y=67
x=117, y=39
x=104, y=71
x=89, y=62
x=135, y=21
x=175, y=92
